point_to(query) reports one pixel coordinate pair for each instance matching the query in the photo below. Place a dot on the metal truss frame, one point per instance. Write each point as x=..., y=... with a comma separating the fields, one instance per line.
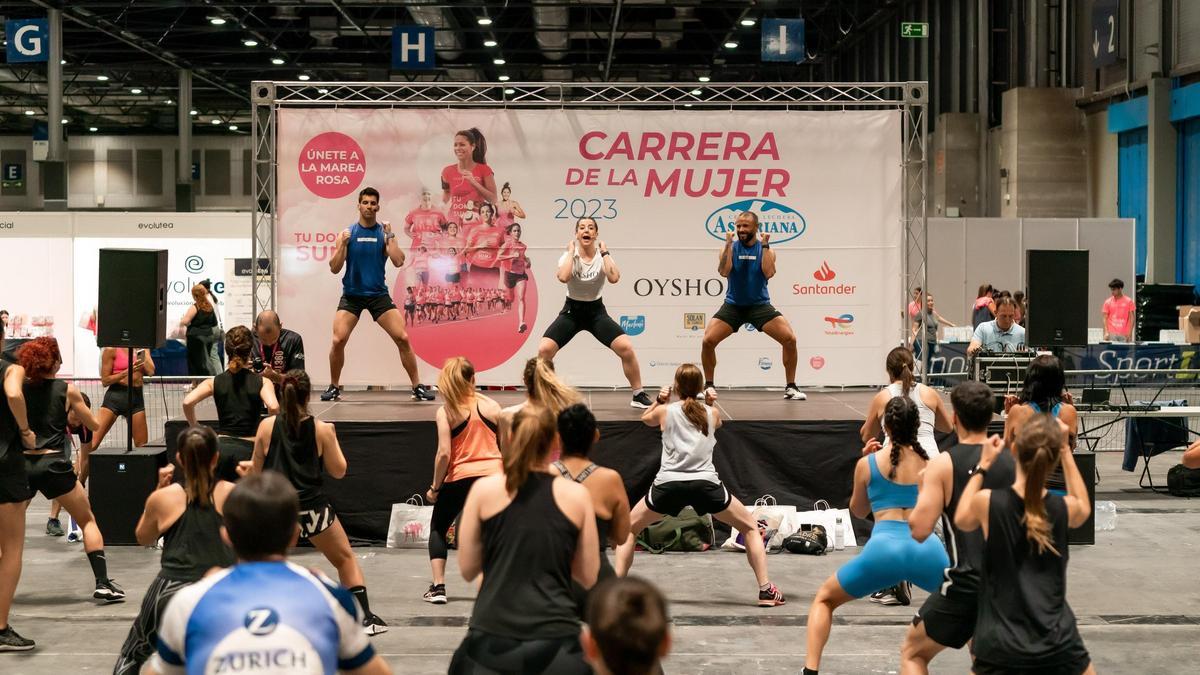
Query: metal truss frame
x=911, y=98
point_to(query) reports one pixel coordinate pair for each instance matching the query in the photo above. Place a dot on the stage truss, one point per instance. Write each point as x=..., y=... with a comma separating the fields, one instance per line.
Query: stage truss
x=911, y=98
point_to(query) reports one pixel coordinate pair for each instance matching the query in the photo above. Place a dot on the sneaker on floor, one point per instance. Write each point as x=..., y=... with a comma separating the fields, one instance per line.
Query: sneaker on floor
x=333, y=393
x=640, y=400
x=904, y=593
x=878, y=596
x=11, y=641
x=373, y=625
x=109, y=591
x=772, y=597
x=54, y=527
x=436, y=594
x=75, y=536
x=422, y=393
x=794, y=394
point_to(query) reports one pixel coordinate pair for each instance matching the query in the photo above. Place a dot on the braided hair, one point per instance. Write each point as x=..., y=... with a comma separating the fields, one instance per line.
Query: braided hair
x=902, y=420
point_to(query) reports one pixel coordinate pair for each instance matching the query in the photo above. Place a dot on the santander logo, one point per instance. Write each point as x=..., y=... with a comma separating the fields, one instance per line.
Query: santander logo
x=824, y=273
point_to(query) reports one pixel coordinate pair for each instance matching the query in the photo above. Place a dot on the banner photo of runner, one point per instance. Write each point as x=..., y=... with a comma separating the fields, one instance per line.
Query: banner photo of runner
x=483, y=243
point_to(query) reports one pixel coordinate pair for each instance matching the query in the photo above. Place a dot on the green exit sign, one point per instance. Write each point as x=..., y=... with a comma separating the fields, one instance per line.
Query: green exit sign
x=912, y=29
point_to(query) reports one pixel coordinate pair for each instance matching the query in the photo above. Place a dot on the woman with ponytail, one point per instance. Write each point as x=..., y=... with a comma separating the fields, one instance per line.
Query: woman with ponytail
x=467, y=450
x=529, y=533
x=240, y=395
x=301, y=447
x=1045, y=391
x=1024, y=622
x=885, y=483
x=469, y=178
x=187, y=516
x=687, y=477
x=543, y=389
x=932, y=411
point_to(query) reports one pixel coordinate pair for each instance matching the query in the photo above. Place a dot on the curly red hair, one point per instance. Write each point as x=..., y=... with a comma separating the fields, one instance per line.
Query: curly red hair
x=39, y=357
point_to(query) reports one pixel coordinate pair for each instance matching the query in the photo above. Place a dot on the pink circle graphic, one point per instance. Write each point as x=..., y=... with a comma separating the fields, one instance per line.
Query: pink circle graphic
x=332, y=165
x=488, y=337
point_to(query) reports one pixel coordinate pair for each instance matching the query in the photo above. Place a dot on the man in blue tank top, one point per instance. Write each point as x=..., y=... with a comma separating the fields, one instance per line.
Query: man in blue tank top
x=363, y=249
x=747, y=261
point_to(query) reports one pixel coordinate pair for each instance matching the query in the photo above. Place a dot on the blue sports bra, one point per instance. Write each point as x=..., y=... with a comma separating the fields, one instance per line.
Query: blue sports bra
x=1053, y=411
x=886, y=494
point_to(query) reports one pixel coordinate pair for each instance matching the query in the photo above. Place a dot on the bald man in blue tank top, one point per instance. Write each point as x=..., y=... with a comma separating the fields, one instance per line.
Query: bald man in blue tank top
x=748, y=262
x=363, y=249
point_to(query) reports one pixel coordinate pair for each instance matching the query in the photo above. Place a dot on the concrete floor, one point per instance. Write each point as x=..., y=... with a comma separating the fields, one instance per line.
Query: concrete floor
x=1134, y=593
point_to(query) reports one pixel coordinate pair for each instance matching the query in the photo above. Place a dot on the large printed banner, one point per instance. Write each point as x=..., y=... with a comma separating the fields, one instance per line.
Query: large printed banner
x=36, y=279
x=664, y=187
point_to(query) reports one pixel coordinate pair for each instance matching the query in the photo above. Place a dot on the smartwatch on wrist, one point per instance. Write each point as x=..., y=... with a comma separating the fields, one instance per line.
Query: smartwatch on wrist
x=977, y=471
x=603, y=253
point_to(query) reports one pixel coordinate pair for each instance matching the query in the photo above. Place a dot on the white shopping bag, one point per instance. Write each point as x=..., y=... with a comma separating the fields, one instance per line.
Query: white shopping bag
x=827, y=518
x=410, y=524
x=771, y=516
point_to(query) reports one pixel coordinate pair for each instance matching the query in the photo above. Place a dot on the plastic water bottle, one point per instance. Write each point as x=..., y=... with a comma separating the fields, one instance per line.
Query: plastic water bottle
x=1106, y=516
x=839, y=542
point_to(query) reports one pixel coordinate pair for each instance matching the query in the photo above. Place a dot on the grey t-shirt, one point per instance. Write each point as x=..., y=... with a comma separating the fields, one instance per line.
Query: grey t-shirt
x=587, y=278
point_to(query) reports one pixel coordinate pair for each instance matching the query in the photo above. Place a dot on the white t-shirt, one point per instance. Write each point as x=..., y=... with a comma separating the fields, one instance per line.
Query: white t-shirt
x=687, y=453
x=587, y=278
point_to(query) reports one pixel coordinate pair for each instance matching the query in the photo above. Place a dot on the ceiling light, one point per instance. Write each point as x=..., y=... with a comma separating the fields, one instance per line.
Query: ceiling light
x=705, y=78
x=169, y=102
x=135, y=90
x=322, y=91
x=62, y=62
x=696, y=92
x=304, y=78
x=250, y=43
x=489, y=43
x=66, y=121
x=687, y=105
x=216, y=20
x=193, y=113
x=233, y=127
x=93, y=129
x=216, y=120
x=748, y=21
x=277, y=61
x=499, y=62
x=504, y=78
x=29, y=112
x=484, y=21
x=731, y=45
x=102, y=78
x=510, y=91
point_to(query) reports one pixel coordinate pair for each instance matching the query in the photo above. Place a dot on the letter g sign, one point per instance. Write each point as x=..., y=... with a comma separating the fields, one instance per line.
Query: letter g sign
x=28, y=40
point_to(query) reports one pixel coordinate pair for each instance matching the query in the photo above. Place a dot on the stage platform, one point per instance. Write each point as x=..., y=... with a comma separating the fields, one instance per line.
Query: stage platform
x=797, y=451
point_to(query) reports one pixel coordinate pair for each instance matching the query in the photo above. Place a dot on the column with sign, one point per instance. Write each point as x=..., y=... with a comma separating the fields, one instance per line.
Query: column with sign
x=412, y=48
x=783, y=40
x=1105, y=35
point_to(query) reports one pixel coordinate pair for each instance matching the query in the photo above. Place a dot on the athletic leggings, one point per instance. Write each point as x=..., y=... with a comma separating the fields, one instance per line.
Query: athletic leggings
x=450, y=502
x=482, y=653
x=143, y=635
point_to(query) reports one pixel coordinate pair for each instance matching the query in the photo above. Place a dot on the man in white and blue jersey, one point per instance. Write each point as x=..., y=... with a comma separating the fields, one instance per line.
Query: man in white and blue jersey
x=748, y=263
x=363, y=249
x=265, y=614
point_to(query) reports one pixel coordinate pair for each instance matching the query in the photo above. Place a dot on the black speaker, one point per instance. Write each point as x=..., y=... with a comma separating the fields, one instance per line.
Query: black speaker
x=1057, y=297
x=132, y=311
x=119, y=485
x=1086, y=533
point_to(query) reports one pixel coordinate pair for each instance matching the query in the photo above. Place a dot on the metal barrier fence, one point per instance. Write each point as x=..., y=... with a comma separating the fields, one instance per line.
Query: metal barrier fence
x=164, y=401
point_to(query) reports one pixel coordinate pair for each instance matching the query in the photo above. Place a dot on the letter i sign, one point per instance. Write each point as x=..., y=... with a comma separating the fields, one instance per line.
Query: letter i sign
x=783, y=40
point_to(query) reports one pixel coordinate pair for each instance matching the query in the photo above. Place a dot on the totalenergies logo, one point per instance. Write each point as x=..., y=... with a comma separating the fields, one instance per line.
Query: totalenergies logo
x=780, y=221
x=840, y=325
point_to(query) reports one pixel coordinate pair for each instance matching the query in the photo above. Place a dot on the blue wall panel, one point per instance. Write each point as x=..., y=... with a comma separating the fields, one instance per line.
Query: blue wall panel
x=1131, y=187
x=1188, y=211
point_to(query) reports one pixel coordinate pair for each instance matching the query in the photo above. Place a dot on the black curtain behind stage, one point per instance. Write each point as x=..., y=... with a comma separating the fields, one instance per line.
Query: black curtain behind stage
x=797, y=462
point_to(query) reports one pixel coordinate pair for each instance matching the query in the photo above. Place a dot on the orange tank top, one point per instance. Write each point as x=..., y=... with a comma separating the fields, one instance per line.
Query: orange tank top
x=474, y=450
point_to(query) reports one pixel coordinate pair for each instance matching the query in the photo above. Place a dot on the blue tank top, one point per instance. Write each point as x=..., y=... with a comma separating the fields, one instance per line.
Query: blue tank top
x=365, y=259
x=886, y=494
x=747, y=283
x=1053, y=411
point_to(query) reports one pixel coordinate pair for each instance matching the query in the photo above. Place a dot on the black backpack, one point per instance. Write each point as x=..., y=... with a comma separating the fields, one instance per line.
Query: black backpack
x=1183, y=482
x=809, y=540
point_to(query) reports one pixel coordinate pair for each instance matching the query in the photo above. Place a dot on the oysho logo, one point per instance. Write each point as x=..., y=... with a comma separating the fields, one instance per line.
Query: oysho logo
x=780, y=221
x=764, y=362
x=824, y=274
x=633, y=325
x=676, y=288
x=166, y=225
x=840, y=325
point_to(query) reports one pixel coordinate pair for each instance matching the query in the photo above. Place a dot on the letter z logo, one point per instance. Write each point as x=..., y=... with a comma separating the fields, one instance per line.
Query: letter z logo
x=261, y=621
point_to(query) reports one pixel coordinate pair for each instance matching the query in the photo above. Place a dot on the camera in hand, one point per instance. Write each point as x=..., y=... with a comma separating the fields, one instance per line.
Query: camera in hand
x=257, y=365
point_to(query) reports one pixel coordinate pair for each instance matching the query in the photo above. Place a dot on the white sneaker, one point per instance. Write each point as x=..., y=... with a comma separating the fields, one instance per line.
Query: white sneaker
x=794, y=394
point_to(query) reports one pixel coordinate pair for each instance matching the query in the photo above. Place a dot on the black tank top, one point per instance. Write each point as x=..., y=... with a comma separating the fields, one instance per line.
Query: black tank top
x=296, y=457
x=10, y=436
x=203, y=319
x=527, y=553
x=46, y=407
x=193, y=544
x=603, y=525
x=966, y=548
x=239, y=402
x=1024, y=620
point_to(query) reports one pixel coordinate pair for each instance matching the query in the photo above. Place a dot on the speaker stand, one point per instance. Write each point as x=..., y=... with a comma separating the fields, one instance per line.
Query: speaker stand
x=129, y=420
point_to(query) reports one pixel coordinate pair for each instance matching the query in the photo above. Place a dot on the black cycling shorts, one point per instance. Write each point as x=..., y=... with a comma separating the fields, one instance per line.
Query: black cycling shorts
x=739, y=315
x=583, y=316
x=702, y=495
x=50, y=474
x=116, y=399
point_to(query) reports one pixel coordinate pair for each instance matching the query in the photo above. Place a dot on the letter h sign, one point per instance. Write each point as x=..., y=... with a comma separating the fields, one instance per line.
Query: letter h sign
x=412, y=48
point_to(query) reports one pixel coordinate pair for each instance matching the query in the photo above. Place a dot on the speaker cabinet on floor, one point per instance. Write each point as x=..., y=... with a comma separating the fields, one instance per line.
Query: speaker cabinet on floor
x=119, y=485
x=132, y=310
x=1057, y=297
x=1086, y=533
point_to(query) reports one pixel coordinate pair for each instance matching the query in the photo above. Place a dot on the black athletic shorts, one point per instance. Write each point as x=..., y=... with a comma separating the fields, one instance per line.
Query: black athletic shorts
x=14, y=481
x=483, y=653
x=116, y=399
x=950, y=622
x=702, y=495
x=315, y=518
x=377, y=305
x=510, y=279
x=50, y=474
x=755, y=315
x=232, y=450
x=1074, y=667
x=578, y=316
